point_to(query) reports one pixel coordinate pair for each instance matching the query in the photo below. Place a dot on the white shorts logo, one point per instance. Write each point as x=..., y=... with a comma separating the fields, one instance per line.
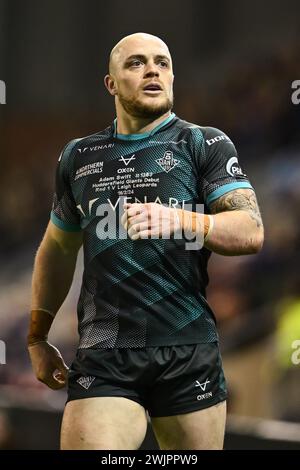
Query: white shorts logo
x=86, y=382
x=202, y=385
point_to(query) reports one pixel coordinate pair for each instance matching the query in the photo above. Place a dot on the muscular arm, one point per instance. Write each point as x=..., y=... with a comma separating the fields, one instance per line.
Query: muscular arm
x=238, y=227
x=52, y=277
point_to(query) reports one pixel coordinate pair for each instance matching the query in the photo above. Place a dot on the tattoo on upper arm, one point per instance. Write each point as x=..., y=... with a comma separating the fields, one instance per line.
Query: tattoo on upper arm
x=238, y=200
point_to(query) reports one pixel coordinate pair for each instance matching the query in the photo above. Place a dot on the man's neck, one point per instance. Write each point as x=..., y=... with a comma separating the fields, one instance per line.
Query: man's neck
x=130, y=125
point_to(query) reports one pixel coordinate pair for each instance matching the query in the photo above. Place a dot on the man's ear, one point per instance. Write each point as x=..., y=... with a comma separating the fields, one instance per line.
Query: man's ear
x=110, y=84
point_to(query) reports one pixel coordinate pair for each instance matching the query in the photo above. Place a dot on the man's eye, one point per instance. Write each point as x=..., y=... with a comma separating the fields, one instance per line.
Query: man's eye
x=163, y=63
x=136, y=63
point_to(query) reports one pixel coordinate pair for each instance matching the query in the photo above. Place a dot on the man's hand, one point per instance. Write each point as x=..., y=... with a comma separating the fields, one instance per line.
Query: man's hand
x=48, y=364
x=150, y=220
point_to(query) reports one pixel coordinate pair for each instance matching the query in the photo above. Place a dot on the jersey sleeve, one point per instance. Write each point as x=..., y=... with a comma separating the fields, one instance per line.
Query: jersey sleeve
x=220, y=169
x=65, y=214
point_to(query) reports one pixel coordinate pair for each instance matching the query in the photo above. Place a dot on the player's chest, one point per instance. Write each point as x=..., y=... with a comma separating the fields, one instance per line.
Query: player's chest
x=143, y=174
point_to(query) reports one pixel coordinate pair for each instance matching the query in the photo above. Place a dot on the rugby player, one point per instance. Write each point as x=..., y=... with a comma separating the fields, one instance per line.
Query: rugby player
x=130, y=195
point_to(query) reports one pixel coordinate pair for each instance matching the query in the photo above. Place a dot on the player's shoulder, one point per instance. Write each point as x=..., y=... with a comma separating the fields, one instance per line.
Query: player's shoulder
x=87, y=143
x=207, y=138
x=213, y=133
x=206, y=132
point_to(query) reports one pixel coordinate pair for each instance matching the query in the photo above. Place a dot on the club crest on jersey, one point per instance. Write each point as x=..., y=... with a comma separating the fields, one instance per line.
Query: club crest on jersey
x=167, y=162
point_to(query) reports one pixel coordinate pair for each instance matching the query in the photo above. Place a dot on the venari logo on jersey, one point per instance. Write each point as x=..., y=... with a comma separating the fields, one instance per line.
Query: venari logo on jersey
x=95, y=148
x=233, y=168
x=167, y=162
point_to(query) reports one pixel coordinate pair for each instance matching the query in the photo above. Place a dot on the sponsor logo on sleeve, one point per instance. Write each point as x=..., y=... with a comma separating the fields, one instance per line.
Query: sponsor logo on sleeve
x=218, y=138
x=233, y=168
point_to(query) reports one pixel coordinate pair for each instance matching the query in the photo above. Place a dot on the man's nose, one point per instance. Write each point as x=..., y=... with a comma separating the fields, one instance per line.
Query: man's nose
x=151, y=70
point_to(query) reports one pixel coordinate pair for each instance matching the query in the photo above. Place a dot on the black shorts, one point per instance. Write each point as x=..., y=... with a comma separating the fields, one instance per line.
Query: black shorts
x=165, y=380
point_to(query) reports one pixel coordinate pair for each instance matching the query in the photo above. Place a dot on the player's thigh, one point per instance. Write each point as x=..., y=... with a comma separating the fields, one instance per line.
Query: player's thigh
x=202, y=429
x=103, y=423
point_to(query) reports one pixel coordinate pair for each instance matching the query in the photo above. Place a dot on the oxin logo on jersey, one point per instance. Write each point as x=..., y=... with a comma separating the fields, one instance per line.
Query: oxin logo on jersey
x=167, y=162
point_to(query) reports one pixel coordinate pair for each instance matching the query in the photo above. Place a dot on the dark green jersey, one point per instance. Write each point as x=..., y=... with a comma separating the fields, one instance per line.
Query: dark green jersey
x=143, y=292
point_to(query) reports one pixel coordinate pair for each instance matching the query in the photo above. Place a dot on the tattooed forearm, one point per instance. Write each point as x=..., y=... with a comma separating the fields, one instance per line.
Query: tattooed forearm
x=238, y=200
x=238, y=228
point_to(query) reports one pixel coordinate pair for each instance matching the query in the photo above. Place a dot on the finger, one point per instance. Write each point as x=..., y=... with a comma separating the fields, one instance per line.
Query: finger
x=56, y=374
x=60, y=377
x=125, y=217
x=137, y=219
x=137, y=228
x=59, y=372
x=127, y=222
x=124, y=220
x=144, y=234
x=59, y=364
x=51, y=382
x=135, y=209
x=55, y=385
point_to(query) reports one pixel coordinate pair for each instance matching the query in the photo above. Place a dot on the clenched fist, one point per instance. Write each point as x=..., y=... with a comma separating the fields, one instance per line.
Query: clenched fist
x=48, y=364
x=150, y=220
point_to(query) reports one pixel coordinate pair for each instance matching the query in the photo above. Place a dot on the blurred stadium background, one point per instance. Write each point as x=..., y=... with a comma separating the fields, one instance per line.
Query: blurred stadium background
x=234, y=65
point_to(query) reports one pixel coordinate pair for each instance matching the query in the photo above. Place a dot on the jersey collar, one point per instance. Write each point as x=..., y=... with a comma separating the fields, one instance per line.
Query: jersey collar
x=145, y=134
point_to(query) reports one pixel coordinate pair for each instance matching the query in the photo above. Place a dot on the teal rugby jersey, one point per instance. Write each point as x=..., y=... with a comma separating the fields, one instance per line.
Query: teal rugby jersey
x=143, y=292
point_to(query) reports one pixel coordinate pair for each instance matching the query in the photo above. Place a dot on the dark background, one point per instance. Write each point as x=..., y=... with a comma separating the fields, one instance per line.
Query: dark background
x=234, y=64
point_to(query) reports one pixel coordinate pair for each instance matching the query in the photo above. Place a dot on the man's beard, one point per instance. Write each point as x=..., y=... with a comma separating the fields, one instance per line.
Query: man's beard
x=138, y=109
